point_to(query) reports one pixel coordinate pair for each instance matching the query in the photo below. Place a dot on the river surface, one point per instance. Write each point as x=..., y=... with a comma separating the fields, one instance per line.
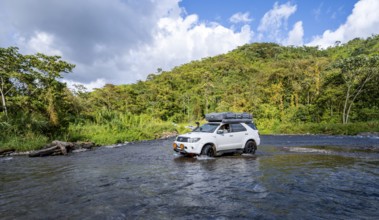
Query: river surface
x=290, y=177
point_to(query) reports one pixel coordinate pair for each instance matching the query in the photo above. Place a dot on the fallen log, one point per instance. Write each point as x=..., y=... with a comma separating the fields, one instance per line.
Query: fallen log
x=4, y=152
x=44, y=152
x=61, y=148
x=63, y=143
x=85, y=145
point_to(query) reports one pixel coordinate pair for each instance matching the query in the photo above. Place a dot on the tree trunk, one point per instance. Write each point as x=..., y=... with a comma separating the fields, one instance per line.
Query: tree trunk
x=344, y=116
x=360, y=88
x=61, y=148
x=3, y=97
x=44, y=152
x=3, y=101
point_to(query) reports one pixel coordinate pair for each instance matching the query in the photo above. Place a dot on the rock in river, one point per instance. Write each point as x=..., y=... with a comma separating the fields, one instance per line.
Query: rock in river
x=61, y=148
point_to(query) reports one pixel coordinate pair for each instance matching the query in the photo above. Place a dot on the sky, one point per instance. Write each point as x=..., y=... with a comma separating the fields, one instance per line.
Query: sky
x=123, y=41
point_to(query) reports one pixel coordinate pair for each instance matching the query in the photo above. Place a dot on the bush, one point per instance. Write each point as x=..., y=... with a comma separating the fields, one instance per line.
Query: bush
x=119, y=128
x=29, y=141
x=327, y=128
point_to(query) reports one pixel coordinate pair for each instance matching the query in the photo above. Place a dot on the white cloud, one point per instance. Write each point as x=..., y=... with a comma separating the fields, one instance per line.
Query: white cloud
x=363, y=22
x=240, y=18
x=295, y=36
x=98, y=83
x=176, y=40
x=114, y=41
x=317, y=11
x=180, y=40
x=40, y=42
x=275, y=21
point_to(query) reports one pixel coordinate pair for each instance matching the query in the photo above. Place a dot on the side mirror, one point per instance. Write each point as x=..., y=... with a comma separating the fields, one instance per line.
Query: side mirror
x=220, y=131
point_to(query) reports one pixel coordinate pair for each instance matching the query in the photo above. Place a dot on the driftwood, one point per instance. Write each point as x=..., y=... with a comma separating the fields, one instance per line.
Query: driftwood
x=44, y=152
x=5, y=152
x=61, y=148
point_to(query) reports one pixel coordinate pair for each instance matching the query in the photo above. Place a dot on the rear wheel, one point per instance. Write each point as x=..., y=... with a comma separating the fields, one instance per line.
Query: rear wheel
x=250, y=147
x=208, y=150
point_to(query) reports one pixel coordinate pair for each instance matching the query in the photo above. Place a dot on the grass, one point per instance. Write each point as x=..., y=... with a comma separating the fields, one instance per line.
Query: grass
x=28, y=142
x=112, y=128
x=120, y=128
x=321, y=128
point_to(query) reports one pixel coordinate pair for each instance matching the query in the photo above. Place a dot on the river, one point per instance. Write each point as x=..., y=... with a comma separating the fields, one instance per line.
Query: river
x=290, y=177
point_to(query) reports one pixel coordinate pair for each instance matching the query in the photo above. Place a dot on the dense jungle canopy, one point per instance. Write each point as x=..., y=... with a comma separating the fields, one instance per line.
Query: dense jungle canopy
x=283, y=87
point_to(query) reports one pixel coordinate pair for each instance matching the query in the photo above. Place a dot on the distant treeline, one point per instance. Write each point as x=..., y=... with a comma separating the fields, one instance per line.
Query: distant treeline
x=287, y=89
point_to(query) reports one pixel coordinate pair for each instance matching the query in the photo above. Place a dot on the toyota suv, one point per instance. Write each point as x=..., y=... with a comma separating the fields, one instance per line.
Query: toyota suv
x=219, y=136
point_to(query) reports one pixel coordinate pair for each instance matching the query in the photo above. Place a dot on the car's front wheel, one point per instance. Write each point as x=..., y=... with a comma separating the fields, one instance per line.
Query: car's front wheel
x=208, y=150
x=250, y=147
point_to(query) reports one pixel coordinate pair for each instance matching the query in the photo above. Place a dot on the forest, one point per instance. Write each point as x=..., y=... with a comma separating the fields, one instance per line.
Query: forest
x=290, y=90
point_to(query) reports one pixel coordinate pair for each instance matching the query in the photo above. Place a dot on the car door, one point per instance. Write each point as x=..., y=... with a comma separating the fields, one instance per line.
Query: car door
x=224, y=138
x=238, y=132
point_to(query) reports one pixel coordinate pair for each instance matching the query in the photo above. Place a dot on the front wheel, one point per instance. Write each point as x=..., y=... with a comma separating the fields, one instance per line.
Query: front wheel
x=250, y=147
x=208, y=150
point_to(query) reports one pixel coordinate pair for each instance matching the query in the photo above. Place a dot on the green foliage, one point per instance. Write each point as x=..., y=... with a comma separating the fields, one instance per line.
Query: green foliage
x=288, y=90
x=273, y=82
x=110, y=127
x=281, y=86
x=29, y=141
x=33, y=100
x=326, y=128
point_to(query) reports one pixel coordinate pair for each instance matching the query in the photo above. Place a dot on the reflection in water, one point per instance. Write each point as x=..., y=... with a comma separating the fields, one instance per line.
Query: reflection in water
x=229, y=182
x=325, y=186
x=146, y=180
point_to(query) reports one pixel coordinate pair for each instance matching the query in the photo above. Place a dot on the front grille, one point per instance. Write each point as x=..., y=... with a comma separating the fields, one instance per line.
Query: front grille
x=182, y=139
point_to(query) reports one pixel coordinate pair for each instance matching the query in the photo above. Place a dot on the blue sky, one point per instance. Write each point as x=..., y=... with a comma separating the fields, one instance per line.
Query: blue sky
x=317, y=16
x=122, y=41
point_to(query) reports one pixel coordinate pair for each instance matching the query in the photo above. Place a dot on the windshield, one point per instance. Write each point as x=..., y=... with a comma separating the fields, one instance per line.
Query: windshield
x=209, y=128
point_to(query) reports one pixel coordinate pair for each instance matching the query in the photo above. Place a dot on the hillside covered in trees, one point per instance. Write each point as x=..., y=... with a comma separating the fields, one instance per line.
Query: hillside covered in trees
x=287, y=89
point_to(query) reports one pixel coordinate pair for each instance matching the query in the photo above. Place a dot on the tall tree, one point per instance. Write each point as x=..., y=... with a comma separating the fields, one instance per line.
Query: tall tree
x=356, y=73
x=10, y=63
x=30, y=90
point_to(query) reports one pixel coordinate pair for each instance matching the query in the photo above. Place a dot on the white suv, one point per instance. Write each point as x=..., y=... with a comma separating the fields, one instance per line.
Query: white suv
x=217, y=138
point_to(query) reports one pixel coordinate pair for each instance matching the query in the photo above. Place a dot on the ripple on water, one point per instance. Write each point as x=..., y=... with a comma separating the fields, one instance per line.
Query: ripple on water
x=146, y=180
x=5, y=159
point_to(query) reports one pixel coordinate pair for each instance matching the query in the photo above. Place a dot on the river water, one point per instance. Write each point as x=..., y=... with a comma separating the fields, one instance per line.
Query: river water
x=290, y=177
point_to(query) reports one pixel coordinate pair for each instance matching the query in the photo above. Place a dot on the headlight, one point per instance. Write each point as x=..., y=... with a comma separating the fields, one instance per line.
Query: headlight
x=193, y=140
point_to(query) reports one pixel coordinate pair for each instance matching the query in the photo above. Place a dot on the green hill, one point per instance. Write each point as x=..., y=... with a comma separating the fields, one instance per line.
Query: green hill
x=287, y=89
x=279, y=85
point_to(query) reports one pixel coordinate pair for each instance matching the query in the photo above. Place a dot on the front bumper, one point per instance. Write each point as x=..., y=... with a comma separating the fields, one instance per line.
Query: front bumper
x=187, y=148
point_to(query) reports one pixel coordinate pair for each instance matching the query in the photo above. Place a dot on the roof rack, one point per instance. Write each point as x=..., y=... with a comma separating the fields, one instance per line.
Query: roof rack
x=231, y=121
x=229, y=117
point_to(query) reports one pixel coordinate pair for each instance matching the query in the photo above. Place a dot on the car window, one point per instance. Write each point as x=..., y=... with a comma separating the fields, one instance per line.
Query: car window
x=225, y=128
x=252, y=125
x=208, y=128
x=237, y=127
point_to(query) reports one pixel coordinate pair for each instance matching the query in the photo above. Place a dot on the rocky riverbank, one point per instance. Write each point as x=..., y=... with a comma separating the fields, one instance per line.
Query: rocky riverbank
x=52, y=149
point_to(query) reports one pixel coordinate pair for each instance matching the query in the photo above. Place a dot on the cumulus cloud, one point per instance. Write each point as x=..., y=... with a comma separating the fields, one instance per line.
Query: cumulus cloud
x=240, y=18
x=41, y=42
x=80, y=25
x=295, y=36
x=180, y=40
x=114, y=41
x=274, y=22
x=98, y=83
x=363, y=22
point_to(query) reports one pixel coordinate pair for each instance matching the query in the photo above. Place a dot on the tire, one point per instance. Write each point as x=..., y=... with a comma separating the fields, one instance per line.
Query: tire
x=208, y=150
x=250, y=147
